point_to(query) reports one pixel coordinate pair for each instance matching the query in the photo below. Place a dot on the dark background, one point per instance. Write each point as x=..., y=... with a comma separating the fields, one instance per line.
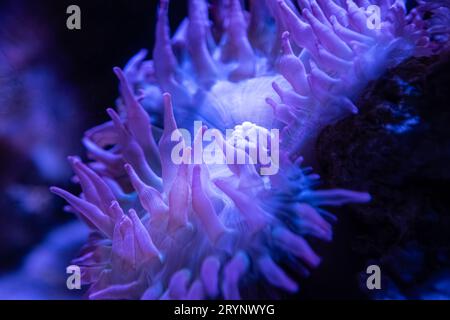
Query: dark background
x=112, y=32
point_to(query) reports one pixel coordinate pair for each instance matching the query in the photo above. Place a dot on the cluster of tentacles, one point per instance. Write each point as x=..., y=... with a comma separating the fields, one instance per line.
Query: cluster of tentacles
x=162, y=230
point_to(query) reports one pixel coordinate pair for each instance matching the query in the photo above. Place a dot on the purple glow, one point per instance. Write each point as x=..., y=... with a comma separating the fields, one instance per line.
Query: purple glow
x=166, y=231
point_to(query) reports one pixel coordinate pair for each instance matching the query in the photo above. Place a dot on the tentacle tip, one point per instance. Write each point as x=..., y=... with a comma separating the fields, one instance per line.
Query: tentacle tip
x=72, y=159
x=328, y=238
x=128, y=168
x=114, y=116
x=294, y=288
x=315, y=261
x=118, y=71
x=281, y=3
x=271, y=103
x=114, y=204
x=54, y=190
x=143, y=52
x=299, y=161
x=244, y=258
x=111, y=112
x=275, y=86
x=366, y=197
x=167, y=97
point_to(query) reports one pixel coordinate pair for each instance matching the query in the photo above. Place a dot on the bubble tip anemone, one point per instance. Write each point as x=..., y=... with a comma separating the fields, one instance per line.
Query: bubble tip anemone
x=167, y=231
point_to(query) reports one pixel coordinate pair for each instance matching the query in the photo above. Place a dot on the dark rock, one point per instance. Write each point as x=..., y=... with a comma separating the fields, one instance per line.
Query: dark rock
x=398, y=149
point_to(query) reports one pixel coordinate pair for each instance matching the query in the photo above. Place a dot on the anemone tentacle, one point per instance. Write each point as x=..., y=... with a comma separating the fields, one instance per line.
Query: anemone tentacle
x=162, y=230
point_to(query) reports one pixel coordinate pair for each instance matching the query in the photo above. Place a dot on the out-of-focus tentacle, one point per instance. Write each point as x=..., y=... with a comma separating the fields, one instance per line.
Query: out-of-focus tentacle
x=197, y=43
x=237, y=46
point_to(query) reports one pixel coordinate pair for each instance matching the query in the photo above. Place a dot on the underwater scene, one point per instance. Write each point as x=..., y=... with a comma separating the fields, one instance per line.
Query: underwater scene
x=224, y=150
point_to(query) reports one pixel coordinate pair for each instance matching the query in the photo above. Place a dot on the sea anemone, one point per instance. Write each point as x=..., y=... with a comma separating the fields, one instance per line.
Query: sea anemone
x=161, y=230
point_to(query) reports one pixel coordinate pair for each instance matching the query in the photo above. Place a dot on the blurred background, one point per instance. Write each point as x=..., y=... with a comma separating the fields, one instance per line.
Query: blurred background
x=56, y=83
